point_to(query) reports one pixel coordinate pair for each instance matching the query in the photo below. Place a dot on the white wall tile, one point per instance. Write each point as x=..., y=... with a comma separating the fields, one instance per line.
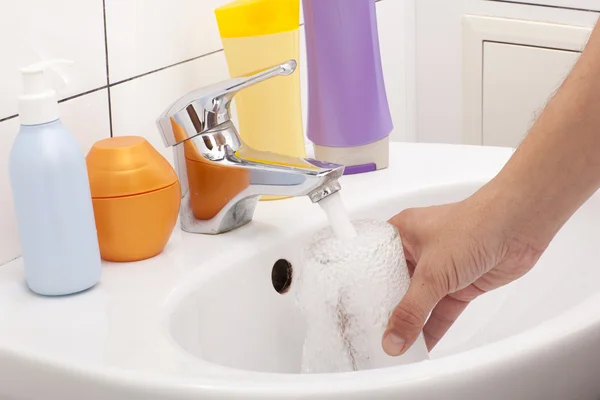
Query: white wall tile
x=137, y=103
x=34, y=30
x=9, y=242
x=86, y=117
x=390, y=18
x=144, y=35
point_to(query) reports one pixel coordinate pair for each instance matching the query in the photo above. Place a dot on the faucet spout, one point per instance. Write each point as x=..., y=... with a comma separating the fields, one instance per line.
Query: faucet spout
x=221, y=177
x=222, y=180
x=274, y=174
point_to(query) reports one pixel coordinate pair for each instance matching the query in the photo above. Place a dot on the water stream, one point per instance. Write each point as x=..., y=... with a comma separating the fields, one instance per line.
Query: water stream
x=337, y=216
x=352, y=276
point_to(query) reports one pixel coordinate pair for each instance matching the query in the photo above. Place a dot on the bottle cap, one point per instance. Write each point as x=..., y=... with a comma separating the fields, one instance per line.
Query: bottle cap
x=38, y=103
x=243, y=18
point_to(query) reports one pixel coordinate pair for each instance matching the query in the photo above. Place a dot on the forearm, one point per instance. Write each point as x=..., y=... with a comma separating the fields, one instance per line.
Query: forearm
x=557, y=167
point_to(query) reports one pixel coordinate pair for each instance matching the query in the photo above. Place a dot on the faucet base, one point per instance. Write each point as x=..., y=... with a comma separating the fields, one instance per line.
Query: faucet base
x=238, y=214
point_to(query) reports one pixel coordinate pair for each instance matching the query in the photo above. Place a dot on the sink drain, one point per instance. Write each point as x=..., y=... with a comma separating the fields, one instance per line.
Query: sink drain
x=281, y=276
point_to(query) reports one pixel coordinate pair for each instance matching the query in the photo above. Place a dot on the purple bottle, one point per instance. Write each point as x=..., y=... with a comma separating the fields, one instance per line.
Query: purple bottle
x=349, y=119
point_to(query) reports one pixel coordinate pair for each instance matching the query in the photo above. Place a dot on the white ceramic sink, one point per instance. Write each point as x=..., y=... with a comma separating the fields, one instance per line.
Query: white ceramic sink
x=203, y=320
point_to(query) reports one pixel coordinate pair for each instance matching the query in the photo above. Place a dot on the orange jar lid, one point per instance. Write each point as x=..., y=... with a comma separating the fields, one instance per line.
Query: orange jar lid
x=125, y=166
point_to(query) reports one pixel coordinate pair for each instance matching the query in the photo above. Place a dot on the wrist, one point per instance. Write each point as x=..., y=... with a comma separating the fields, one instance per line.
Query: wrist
x=519, y=212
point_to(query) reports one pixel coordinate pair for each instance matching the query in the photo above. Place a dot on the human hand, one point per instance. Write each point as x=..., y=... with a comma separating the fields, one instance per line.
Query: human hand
x=462, y=250
x=455, y=253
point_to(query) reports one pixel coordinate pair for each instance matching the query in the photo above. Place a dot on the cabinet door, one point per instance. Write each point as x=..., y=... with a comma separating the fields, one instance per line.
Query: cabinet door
x=510, y=69
x=517, y=82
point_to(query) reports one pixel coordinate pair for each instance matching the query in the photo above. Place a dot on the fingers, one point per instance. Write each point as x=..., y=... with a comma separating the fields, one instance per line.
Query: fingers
x=441, y=319
x=408, y=230
x=408, y=319
x=447, y=312
x=411, y=268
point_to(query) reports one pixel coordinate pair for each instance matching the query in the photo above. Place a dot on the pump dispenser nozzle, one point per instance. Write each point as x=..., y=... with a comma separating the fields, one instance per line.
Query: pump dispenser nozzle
x=38, y=103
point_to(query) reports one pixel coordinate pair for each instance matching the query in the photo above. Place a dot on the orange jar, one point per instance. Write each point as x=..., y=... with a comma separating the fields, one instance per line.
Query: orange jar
x=136, y=198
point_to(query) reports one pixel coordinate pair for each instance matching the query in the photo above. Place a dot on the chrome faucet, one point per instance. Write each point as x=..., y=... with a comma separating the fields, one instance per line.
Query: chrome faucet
x=222, y=178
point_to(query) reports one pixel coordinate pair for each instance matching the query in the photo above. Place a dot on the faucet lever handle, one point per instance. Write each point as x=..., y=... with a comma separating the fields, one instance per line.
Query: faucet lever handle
x=237, y=84
x=206, y=108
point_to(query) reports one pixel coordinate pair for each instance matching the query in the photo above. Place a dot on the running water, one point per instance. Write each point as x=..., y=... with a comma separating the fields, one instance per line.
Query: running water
x=351, y=278
x=336, y=213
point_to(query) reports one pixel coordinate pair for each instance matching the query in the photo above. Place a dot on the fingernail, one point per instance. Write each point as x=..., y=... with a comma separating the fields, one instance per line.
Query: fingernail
x=393, y=344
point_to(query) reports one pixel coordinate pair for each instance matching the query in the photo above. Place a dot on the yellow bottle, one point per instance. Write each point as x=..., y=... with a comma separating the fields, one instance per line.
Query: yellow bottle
x=256, y=35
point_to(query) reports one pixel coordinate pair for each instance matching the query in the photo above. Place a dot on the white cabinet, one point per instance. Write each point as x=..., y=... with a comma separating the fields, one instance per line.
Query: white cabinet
x=469, y=88
x=510, y=69
x=517, y=82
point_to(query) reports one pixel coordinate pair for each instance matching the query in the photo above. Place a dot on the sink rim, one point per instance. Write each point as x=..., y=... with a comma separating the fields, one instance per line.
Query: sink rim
x=260, y=383
x=548, y=333
x=436, y=164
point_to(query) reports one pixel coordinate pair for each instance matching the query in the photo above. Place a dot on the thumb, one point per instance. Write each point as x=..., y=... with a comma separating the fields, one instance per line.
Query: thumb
x=409, y=317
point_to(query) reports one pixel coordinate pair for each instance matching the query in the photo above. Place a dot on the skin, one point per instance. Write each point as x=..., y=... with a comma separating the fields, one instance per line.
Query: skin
x=460, y=251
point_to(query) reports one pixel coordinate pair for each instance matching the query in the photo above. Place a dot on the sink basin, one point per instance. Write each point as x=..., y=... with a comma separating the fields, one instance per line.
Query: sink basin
x=512, y=336
x=206, y=320
x=240, y=320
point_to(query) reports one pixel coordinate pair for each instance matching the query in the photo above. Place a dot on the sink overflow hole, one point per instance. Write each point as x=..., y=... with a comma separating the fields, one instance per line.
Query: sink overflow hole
x=281, y=276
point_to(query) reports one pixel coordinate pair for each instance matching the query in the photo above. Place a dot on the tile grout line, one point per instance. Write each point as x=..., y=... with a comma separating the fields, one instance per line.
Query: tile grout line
x=109, y=85
x=9, y=117
x=75, y=96
x=174, y=64
x=110, y=119
x=164, y=68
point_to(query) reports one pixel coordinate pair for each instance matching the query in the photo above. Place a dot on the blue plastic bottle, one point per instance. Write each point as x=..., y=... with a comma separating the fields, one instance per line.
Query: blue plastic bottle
x=51, y=194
